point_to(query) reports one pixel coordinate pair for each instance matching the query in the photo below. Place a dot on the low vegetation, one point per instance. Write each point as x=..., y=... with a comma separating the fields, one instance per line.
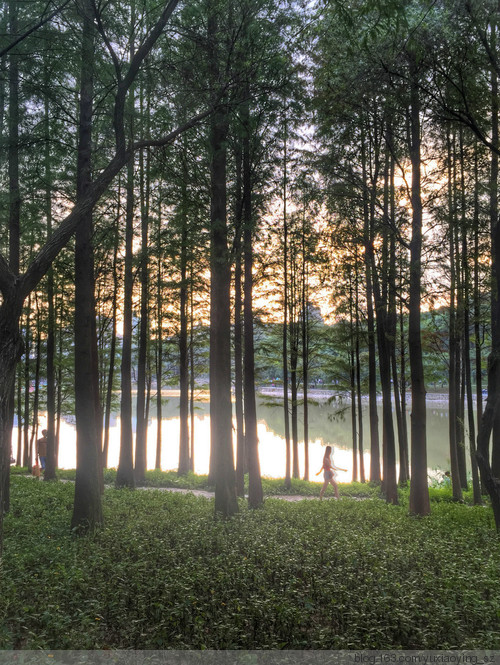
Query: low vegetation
x=439, y=491
x=162, y=573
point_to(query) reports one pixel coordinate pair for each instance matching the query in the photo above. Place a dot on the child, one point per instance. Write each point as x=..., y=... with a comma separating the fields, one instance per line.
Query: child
x=329, y=473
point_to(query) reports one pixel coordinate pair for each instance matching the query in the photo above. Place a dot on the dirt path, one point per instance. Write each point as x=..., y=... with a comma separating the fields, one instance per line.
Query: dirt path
x=210, y=495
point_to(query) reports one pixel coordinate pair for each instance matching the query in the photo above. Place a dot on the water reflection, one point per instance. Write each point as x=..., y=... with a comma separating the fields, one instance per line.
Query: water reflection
x=324, y=429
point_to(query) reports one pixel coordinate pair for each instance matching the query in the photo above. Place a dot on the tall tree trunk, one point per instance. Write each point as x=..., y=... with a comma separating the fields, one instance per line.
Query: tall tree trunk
x=380, y=300
x=494, y=223
x=27, y=460
x=477, y=295
x=159, y=340
x=358, y=376
x=59, y=389
x=294, y=380
x=14, y=240
x=220, y=322
x=255, y=493
x=352, y=382
x=222, y=457
x=125, y=473
x=241, y=461
x=87, y=510
x=402, y=384
x=183, y=467
x=419, y=491
x=404, y=465
x=460, y=372
x=284, y=355
x=452, y=335
x=305, y=356
x=372, y=366
x=50, y=469
x=11, y=348
x=491, y=477
x=476, y=488
x=192, y=366
x=112, y=348
x=141, y=417
x=19, y=383
x=36, y=392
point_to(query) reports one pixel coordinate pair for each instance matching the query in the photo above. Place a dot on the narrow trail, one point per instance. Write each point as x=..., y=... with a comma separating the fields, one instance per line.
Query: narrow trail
x=210, y=495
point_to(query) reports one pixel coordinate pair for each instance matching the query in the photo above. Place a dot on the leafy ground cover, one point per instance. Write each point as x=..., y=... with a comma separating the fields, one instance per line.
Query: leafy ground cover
x=163, y=573
x=271, y=486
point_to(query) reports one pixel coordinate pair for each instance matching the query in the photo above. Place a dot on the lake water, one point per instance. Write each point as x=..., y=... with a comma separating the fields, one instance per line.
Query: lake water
x=324, y=429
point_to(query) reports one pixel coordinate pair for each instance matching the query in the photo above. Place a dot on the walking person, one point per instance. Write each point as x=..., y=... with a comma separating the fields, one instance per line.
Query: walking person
x=41, y=449
x=329, y=473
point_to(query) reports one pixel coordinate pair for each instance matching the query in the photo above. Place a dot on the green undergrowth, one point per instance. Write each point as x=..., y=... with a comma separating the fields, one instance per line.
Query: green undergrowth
x=270, y=486
x=162, y=573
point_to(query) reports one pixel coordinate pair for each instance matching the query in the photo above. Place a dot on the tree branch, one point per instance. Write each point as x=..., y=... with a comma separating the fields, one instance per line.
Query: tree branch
x=137, y=60
x=36, y=27
x=60, y=237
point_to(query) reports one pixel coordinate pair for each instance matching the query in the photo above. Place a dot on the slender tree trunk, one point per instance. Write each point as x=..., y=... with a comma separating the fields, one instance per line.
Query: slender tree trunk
x=19, y=383
x=112, y=348
x=159, y=339
x=241, y=461
x=352, y=382
x=495, y=295
x=59, y=388
x=11, y=348
x=27, y=459
x=419, y=491
x=141, y=418
x=452, y=335
x=36, y=393
x=14, y=240
x=192, y=366
x=358, y=377
x=489, y=477
x=477, y=295
x=255, y=493
x=87, y=511
x=305, y=348
x=220, y=323
x=50, y=469
x=286, y=408
x=402, y=365
x=380, y=299
x=222, y=457
x=375, y=476
x=404, y=466
x=294, y=357
x=476, y=488
x=183, y=336
x=460, y=372
x=125, y=473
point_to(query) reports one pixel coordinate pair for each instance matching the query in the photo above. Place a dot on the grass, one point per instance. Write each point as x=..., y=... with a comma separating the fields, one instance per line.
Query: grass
x=270, y=486
x=163, y=573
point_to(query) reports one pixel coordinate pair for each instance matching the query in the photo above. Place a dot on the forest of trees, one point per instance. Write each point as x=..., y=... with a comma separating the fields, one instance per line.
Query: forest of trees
x=205, y=188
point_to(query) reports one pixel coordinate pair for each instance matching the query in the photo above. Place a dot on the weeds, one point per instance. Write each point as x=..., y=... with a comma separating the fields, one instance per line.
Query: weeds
x=162, y=574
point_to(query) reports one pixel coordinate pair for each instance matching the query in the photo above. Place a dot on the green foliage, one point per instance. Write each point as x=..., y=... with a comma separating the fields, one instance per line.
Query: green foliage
x=162, y=573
